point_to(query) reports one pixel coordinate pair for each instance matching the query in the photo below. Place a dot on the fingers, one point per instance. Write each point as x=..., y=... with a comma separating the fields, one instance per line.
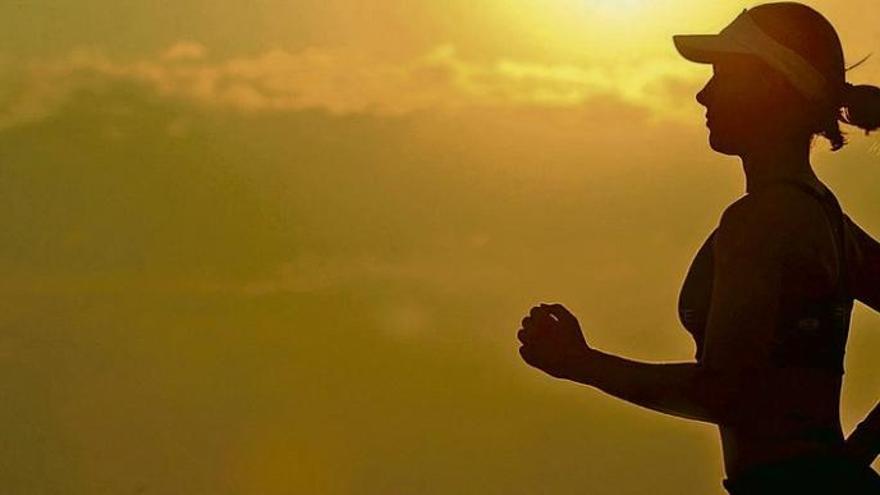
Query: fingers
x=540, y=312
x=561, y=313
x=527, y=355
x=540, y=318
x=537, y=322
x=527, y=331
x=546, y=330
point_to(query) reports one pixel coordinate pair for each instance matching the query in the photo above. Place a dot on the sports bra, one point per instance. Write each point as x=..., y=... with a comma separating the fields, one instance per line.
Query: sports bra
x=811, y=335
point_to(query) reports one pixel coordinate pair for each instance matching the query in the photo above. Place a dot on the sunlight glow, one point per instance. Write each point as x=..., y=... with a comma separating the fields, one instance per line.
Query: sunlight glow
x=587, y=31
x=617, y=8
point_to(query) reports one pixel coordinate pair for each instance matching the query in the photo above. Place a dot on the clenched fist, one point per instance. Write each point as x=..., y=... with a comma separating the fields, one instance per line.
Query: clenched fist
x=552, y=340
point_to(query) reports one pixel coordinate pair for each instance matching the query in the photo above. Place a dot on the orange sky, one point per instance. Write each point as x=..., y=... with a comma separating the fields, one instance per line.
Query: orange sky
x=272, y=247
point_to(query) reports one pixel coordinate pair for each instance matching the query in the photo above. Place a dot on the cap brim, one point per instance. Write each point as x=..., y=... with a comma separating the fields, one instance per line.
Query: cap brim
x=704, y=48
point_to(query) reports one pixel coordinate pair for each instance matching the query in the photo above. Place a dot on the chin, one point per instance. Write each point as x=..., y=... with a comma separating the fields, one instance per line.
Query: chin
x=721, y=145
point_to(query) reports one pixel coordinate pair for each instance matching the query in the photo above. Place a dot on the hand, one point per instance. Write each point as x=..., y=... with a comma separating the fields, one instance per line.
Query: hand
x=552, y=340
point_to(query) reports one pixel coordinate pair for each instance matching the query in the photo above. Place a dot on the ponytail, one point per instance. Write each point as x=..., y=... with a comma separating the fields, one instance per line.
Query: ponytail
x=861, y=107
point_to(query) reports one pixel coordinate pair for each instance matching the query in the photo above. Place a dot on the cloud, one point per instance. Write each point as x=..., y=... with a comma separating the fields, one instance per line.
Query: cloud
x=185, y=50
x=341, y=82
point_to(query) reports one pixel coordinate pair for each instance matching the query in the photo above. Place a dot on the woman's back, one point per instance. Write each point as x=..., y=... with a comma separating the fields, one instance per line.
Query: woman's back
x=864, y=253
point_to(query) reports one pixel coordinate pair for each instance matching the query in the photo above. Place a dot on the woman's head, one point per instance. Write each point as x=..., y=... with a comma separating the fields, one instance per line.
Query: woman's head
x=779, y=74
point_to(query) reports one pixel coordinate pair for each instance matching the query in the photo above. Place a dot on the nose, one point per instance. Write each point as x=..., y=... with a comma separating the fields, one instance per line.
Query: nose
x=703, y=95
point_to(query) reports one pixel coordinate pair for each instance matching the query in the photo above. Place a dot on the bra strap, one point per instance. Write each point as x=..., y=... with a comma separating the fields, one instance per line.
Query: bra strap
x=837, y=218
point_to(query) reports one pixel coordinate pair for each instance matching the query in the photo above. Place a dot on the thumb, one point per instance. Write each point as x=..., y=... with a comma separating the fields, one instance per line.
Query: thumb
x=561, y=313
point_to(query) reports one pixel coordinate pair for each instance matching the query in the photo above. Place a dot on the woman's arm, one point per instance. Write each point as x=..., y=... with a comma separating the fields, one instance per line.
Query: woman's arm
x=553, y=342
x=863, y=444
x=686, y=390
x=753, y=243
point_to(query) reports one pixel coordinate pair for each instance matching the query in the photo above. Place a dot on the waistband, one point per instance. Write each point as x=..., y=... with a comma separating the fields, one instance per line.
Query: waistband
x=819, y=474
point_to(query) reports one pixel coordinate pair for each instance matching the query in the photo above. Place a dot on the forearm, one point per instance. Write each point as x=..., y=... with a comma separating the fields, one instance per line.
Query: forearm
x=864, y=442
x=686, y=390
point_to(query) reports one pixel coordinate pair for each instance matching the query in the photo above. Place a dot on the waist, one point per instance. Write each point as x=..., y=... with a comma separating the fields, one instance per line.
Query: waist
x=791, y=412
x=744, y=453
x=820, y=473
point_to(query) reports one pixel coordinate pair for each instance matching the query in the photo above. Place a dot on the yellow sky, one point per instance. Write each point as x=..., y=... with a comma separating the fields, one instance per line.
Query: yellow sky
x=284, y=247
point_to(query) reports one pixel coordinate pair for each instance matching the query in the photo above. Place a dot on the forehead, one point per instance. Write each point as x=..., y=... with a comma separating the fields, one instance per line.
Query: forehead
x=736, y=62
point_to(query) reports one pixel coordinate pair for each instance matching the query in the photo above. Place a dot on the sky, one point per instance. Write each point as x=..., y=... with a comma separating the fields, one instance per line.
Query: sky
x=275, y=247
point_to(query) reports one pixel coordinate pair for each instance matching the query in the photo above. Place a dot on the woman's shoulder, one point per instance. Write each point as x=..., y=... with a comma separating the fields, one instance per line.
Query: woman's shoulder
x=775, y=221
x=774, y=208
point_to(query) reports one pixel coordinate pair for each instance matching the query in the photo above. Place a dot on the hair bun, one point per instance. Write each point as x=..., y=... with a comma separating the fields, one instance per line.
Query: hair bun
x=861, y=106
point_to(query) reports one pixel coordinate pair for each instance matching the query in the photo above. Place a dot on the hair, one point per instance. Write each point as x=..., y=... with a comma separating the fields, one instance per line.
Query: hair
x=811, y=35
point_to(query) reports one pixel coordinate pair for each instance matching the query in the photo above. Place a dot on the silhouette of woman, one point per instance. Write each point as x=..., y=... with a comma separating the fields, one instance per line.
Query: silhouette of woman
x=769, y=295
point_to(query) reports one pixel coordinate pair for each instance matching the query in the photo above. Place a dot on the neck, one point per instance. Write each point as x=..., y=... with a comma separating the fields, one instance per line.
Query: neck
x=781, y=161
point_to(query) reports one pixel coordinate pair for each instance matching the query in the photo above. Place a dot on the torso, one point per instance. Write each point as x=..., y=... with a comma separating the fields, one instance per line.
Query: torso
x=793, y=409
x=796, y=414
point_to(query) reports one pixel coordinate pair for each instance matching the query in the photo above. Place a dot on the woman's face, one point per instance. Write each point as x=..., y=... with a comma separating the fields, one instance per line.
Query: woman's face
x=748, y=105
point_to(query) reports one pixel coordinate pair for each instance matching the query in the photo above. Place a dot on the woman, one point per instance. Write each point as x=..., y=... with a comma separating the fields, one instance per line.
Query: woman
x=769, y=295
